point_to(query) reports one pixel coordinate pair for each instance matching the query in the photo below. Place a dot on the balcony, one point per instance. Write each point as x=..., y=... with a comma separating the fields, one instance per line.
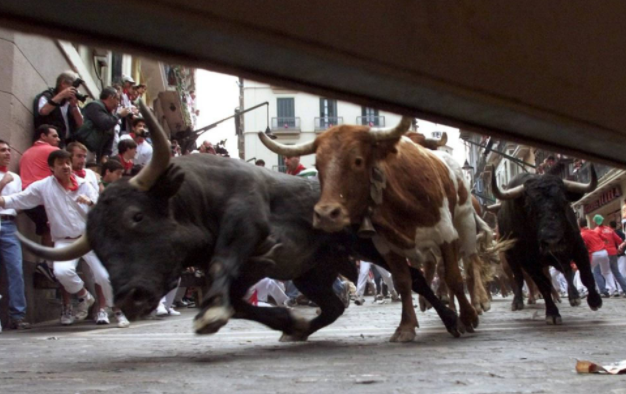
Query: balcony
x=282, y=125
x=372, y=121
x=326, y=122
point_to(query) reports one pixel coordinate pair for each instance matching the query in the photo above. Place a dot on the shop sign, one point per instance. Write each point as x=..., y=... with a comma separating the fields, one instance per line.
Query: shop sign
x=605, y=198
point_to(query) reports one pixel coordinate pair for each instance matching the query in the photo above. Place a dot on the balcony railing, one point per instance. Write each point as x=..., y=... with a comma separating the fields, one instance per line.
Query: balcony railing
x=372, y=121
x=286, y=125
x=326, y=122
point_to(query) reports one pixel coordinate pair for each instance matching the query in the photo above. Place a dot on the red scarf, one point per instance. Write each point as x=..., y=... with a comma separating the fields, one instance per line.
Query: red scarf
x=73, y=183
x=3, y=169
x=81, y=173
x=128, y=165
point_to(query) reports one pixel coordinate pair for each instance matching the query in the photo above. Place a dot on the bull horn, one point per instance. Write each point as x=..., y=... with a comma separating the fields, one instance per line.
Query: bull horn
x=511, y=194
x=79, y=248
x=287, y=150
x=583, y=188
x=148, y=175
x=494, y=207
x=439, y=142
x=392, y=133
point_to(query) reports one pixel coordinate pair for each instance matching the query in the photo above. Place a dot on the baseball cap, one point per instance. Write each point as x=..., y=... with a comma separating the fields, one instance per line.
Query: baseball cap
x=126, y=78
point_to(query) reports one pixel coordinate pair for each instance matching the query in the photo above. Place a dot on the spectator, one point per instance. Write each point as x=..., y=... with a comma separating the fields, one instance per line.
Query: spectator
x=79, y=159
x=611, y=242
x=67, y=199
x=260, y=163
x=207, y=147
x=293, y=165
x=112, y=171
x=58, y=107
x=140, y=90
x=139, y=134
x=128, y=151
x=597, y=252
x=11, y=251
x=98, y=130
x=34, y=167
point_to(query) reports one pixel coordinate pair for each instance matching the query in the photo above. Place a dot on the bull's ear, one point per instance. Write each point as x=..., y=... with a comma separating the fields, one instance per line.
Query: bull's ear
x=169, y=182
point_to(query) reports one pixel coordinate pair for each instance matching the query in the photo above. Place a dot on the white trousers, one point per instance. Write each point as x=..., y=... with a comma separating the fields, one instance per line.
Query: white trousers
x=558, y=280
x=364, y=272
x=605, y=269
x=269, y=287
x=168, y=299
x=621, y=264
x=65, y=272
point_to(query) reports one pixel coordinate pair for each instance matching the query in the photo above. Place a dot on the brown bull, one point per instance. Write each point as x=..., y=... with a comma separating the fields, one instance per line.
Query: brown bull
x=411, y=200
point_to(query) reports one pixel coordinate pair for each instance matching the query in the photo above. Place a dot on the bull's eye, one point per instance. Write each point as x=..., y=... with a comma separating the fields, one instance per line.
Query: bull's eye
x=358, y=162
x=138, y=217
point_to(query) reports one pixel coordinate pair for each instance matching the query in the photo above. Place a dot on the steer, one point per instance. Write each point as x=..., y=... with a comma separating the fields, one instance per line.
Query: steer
x=413, y=201
x=240, y=222
x=536, y=211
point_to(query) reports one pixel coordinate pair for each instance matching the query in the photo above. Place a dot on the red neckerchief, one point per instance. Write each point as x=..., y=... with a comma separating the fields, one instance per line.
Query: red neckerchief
x=81, y=173
x=128, y=165
x=73, y=183
x=297, y=171
x=3, y=169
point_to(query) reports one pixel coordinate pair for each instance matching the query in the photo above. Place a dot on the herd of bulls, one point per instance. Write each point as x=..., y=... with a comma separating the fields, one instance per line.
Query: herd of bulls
x=382, y=196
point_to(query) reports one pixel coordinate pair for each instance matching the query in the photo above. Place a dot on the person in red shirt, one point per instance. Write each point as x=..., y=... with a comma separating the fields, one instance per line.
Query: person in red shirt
x=34, y=167
x=293, y=165
x=611, y=242
x=597, y=253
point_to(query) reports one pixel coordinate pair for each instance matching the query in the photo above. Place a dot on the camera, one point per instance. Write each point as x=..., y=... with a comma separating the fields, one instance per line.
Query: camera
x=76, y=84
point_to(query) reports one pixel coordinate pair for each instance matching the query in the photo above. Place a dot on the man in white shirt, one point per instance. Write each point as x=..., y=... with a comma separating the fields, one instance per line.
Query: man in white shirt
x=11, y=251
x=139, y=134
x=67, y=199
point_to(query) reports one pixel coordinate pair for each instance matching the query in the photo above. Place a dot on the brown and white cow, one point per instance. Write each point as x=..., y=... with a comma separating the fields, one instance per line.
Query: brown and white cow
x=417, y=201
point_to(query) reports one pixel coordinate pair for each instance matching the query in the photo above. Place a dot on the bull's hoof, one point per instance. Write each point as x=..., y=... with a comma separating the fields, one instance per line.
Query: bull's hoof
x=594, y=301
x=517, y=305
x=422, y=303
x=445, y=299
x=478, y=308
x=293, y=338
x=212, y=319
x=485, y=305
x=298, y=332
x=554, y=320
x=452, y=323
x=532, y=301
x=575, y=301
x=470, y=321
x=403, y=335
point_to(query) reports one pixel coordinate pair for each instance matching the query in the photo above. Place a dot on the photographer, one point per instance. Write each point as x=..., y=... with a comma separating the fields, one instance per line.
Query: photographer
x=59, y=107
x=101, y=117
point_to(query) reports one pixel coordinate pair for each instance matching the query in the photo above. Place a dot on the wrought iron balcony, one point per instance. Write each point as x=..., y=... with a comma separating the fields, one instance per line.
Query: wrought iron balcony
x=286, y=125
x=326, y=122
x=372, y=121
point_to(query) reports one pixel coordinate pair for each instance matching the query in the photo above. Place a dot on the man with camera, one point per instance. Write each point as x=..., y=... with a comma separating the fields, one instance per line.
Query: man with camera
x=59, y=106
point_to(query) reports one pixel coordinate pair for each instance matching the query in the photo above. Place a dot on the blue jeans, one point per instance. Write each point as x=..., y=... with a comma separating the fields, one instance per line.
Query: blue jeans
x=597, y=274
x=11, y=258
x=615, y=270
x=338, y=286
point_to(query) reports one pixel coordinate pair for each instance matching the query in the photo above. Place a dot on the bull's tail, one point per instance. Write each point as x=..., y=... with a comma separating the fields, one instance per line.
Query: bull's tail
x=484, y=233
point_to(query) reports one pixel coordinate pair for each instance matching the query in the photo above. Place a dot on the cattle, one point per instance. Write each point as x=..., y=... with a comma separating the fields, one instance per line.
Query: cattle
x=411, y=200
x=535, y=210
x=239, y=222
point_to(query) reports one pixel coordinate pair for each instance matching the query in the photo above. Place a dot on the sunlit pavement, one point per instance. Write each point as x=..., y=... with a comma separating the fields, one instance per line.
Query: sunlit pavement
x=511, y=352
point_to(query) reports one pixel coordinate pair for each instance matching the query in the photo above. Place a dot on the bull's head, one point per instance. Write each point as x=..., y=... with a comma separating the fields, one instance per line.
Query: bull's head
x=132, y=231
x=344, y=159
x=546, y=202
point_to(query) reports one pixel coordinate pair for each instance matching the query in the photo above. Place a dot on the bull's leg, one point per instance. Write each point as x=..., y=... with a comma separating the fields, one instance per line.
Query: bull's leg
x=402, y=281
x=545, y=288
x=471, y=285
x=240, y=235
x=480, y=283
x=554, y=292
x=533, y=292
x=572, y=291
x=450, y=254
x=516, y=278
x=581, y=258
x=429, y=273
x=443, y=292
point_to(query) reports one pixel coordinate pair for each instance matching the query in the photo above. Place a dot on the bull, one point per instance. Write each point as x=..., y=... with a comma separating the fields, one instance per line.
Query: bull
x=240, y=222
x=411, y=200
x=535, y=210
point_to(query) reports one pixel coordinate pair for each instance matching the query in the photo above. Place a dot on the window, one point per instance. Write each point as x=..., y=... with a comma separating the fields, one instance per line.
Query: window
x=116, y=67
x=286, y=111
x=328, y=114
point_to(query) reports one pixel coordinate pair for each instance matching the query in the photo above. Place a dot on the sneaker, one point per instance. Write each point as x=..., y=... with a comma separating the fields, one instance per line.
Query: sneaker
x=67, y=317
x=122, y=321
x=103, y=317
x=19, y=324
x=82, y=308
x=605, y=295
x=616, y=295
x=359, y=301
x=394, y=296
x=161, y=310
x=172, y=312
x=45, y=270
x=290, y=303
x=378, y=297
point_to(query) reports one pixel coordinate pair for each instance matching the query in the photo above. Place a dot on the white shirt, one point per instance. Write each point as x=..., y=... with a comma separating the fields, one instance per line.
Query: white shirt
x=15, y=186
x=64, y=108
x=67, y=217
x=144, y=151
x=91, y=178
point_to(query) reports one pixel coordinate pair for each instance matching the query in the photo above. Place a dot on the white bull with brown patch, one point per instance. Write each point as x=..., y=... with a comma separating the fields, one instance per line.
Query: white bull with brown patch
x=412, y=201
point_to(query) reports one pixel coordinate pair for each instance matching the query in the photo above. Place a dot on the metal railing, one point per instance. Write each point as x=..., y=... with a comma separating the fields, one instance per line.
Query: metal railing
x=372, y=121
x=285, y=124
x=326, y=122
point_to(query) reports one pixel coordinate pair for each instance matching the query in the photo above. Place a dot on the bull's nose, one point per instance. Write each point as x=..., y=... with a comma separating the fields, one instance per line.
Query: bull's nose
x=329, y=217
x=136, y=301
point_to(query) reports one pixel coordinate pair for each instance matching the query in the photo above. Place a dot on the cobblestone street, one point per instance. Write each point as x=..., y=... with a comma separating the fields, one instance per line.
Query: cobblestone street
x=509, y=353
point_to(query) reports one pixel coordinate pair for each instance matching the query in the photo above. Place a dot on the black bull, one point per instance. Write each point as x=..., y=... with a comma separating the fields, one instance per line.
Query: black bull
x=536, y=211
x=240, y=222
